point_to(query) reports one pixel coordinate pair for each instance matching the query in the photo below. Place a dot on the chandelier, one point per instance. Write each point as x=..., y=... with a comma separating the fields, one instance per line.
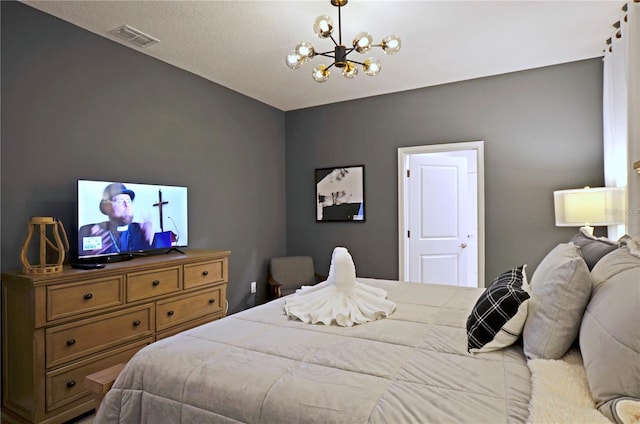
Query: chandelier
x=362, y=43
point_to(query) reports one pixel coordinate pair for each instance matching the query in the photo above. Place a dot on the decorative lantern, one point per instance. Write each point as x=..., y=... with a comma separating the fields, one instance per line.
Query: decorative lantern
x=46, y=226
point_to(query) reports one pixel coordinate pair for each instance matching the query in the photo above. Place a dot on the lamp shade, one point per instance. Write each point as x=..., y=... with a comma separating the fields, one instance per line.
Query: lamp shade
x=590, y=206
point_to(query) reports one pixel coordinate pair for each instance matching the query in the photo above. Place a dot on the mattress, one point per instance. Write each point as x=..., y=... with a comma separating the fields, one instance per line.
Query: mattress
x=259, y=366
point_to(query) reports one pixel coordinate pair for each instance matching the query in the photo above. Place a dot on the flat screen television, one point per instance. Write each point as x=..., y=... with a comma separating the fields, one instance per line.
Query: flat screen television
x=117, y=220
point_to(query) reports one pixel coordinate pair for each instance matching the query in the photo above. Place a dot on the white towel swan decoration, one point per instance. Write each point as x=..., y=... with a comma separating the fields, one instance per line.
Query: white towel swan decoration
x=340, y=299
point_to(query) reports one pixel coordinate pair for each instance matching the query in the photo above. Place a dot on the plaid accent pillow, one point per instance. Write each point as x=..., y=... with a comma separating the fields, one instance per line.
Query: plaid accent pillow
x=498, y=317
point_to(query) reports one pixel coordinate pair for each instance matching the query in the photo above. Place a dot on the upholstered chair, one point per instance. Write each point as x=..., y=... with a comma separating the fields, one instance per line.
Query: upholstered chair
x=289, y=273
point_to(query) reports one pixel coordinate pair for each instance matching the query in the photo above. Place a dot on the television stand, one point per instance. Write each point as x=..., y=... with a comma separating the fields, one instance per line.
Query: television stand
x=118, y=258
x=174, y=249
x=108, y=259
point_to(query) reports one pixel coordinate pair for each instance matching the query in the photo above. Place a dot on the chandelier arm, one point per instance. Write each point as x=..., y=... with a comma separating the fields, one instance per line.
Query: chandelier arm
x=333, y=39
x=326, y=54
x=353, y=61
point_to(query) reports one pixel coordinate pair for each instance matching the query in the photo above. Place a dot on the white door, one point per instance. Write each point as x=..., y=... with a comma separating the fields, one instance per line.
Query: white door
x=439, y=230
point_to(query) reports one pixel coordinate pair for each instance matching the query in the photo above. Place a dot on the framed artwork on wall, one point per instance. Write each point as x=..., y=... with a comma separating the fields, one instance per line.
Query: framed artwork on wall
x=340, y=193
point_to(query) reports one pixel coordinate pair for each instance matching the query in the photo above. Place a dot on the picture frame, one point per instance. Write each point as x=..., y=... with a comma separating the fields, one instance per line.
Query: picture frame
x=340, y=194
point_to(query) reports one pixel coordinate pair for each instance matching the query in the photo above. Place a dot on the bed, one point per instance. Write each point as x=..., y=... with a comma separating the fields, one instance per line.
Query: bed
x=414, y=366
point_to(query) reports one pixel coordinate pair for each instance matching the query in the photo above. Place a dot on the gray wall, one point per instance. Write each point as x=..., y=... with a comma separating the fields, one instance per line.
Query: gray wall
x=76, y=105
x=542, y=130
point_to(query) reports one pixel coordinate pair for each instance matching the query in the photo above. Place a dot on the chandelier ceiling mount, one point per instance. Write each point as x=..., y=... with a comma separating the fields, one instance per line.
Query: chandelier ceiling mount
x=362, y=43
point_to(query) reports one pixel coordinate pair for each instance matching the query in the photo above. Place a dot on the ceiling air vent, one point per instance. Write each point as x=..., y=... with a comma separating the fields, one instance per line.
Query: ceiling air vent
x=134, y=36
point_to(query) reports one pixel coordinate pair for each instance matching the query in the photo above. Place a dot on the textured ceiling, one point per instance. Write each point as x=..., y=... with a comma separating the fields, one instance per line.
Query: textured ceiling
x=242, y=44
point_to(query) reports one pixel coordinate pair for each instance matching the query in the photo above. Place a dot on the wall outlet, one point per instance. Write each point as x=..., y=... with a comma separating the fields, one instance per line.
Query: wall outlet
x=253, y=287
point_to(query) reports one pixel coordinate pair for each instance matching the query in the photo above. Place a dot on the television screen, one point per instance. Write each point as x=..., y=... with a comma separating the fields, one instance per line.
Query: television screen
x=120, y=218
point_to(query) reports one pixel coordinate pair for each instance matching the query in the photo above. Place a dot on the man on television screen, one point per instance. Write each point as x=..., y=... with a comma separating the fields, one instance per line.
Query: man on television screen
x=119, y=234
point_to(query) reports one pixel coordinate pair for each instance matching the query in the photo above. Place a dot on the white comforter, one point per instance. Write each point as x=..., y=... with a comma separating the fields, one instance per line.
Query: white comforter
x=259, y=366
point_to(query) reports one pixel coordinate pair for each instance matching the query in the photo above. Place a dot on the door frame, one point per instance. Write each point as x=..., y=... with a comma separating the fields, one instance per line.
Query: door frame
x=403, y=165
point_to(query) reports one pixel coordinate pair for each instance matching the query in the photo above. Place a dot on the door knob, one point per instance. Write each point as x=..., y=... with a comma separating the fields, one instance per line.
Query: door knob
x=463, y=245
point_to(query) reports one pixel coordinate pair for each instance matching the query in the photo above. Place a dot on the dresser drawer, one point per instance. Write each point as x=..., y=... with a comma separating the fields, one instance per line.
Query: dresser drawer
x=72, y=341
x=205, y=273
x=66, y=385
x=144, y=285
x=184, y=308
x=66, y=300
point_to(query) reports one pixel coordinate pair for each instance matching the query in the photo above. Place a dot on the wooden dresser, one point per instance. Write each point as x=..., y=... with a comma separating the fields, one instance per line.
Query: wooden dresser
x=58, y=328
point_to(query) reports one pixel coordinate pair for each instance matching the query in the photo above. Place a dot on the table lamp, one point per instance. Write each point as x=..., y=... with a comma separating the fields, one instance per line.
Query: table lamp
x=588, y=207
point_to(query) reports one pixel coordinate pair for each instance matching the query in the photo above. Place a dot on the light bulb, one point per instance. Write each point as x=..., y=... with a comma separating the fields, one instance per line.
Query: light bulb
x=391, y=44
x=323, y=26
x=294, y=61
x=320, y=73
x=362, y=42
x=349, y=71
x=371, y=66
x=305, y=50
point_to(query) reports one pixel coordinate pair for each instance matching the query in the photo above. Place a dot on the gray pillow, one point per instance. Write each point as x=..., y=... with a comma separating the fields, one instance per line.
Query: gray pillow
x=560, y=290
x=593, y=248
x=610, y=332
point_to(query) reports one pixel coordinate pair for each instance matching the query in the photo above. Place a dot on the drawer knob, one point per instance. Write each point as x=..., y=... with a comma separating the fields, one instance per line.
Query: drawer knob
x=155, y=283
x=212, y=301
x=205, y=273
x=136, y=323
x=71, y=342
x=71, y=383
x=88, y=296
x=170, y=313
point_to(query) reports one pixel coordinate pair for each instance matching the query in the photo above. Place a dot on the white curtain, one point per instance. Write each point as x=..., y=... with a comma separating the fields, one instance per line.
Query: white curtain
x=621, y=108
